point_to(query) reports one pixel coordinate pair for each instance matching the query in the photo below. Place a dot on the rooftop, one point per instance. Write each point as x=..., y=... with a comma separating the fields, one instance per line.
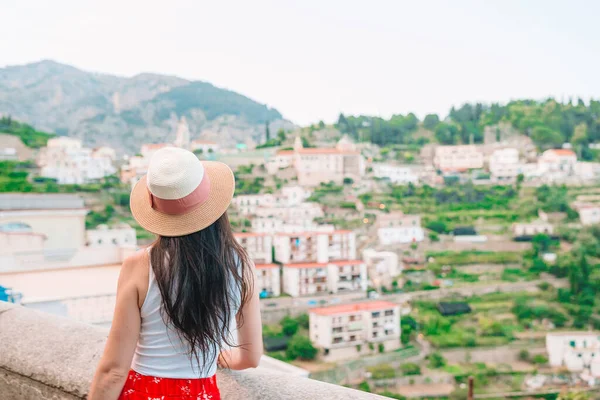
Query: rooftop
x=40, y=201
x=265, y=266
x=350, y=308
x=561, y=152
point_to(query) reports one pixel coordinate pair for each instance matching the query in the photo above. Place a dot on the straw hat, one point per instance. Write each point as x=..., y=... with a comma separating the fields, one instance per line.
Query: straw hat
x=181, y=194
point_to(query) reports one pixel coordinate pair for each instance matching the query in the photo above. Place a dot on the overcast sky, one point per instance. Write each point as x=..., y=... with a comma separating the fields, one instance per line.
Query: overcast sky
x=312, y=59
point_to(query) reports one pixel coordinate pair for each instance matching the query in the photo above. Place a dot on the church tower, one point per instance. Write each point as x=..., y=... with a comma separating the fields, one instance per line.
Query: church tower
x=182, y=136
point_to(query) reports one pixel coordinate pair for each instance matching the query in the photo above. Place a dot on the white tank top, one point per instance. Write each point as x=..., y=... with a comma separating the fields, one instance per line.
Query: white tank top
x=160, y=351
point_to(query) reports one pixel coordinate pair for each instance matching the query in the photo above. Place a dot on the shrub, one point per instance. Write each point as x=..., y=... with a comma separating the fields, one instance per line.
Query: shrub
x=364, y=386
x=381, y=347
x=289, y=326
x=358, y=348
x=539, y=359
x=410, y=369
x=436, y=360
x=524, y=355
x=301, y=347
x=348, y=181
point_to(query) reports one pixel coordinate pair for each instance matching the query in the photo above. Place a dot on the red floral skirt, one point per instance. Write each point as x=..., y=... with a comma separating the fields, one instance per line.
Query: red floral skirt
x=142, y=387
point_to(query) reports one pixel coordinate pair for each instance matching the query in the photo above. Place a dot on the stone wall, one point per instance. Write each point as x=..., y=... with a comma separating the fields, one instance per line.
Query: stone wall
x=47, y=357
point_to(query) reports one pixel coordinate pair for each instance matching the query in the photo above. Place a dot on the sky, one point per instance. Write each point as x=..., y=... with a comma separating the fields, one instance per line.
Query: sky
x=312, y=59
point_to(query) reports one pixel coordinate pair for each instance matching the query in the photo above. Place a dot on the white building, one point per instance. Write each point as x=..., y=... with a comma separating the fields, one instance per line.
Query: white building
x=182, y=135
x=275, y=224
x=313, y=279
x=119, y=235
x=320, y=165
x=577, y=351
x=504, y=164
x=382, y=266
x=351, y=330
x=320, y=262
x=65, y=160
x=137, y=165
x=532, y=228
x=557, y=164
x=287, y=199
x=457, y=158
x=259, y=247
x=589, y=214
x=268, y=280
x=398, y=174
x=294, y=215
x=397, y=227
x=204, y=146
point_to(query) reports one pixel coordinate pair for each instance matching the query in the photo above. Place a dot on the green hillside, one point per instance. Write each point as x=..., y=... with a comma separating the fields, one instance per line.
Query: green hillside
x=28, y=134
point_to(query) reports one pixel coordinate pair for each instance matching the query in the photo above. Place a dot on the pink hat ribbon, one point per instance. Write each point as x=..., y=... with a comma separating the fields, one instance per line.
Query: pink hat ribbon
x=184, y=204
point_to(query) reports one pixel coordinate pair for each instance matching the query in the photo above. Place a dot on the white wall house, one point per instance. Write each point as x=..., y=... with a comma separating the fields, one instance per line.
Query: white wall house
x=382, y=264
x=504, y=164
x=557, y=164
x=350, y=330
x=457, y=158
x=589, y=214
x=397, y=174
x=397, y=227
x=532, y=228
x=282, y=203
x=119, y=235
x=65, y=160
x=577, y=351
x=320, y=165
x=204, y=146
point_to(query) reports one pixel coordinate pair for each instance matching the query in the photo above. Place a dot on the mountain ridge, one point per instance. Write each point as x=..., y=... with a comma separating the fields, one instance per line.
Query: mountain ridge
x=124, y=112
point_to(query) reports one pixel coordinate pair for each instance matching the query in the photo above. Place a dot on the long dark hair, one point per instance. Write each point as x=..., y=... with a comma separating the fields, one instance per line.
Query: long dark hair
x=197, y=275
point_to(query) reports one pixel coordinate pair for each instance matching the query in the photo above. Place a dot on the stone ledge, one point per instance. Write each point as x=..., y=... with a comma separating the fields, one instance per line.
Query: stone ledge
x=47, y=357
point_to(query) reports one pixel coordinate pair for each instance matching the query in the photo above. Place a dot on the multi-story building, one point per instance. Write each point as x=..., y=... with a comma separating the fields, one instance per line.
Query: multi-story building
x=259, y=247
x=557, y=164
x=459, y=158
x=294, y=215
x=289, y=196
x=397, y=227
x=351, y=330
x=65, y=160
x=504, y=164
x=577, y=351
x=321, y=165
x=532, y=228
x=137, y=165
x=319, y=262
x=397, y=174
x=589, y=214
x=275, y=224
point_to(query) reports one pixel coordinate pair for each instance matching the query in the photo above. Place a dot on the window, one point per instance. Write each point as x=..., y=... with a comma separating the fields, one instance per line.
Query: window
x=389, y=312
x=375, y=314
x=375, y=334
x=337, y=340
x=572, y=343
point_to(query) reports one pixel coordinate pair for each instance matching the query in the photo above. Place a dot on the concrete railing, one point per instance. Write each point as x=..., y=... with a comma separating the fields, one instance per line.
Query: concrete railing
x=47, y=357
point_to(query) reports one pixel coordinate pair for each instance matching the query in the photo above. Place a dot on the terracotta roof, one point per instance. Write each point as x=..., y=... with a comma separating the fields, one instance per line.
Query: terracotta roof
x=562, y=152
x=150, y=146
x=285, y=153
x=248, y=234
x=352, y=308
x=326, y=151
x=306, y=265
x=203, y=142
x=266, y=266
x=346, y=262
x=314, y=233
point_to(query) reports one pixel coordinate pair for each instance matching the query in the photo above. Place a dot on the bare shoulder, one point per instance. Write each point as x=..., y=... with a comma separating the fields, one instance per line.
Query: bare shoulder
x=135, y=272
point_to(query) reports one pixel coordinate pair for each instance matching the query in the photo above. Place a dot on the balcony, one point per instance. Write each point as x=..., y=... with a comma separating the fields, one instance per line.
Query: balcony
x=47, y=357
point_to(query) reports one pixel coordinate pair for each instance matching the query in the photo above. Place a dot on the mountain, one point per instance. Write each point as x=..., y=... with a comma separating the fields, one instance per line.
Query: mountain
x=124, y=112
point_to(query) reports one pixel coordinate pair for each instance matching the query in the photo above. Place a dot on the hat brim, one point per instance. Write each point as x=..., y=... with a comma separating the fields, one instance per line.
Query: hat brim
x=222, y=186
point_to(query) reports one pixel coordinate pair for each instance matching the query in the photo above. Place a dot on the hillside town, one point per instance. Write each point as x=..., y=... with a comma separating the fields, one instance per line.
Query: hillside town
x=400, y=278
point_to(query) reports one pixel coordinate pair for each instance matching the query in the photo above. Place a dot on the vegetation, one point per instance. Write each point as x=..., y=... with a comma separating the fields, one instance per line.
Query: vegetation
x=28, y=135
x=548, y=123
x=301, y=347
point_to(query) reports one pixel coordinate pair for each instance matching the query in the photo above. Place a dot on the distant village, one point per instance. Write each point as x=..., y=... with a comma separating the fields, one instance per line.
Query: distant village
x=342, y=277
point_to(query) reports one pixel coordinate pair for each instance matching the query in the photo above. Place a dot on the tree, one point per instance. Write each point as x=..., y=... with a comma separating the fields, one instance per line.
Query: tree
x=267, y=132
x=437, y=226
x=580, y=135
x=289, y=326
x=524, y=355
x=446, y=133
x=546, y=138
x=573, y=396
x=281, y=134
x=301, y=347
x=436, y=360
x=410, y=369
x=431, y=121
x=321, y=124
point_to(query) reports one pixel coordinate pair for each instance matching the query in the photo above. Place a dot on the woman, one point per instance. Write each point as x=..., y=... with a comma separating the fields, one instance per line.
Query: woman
x=178, y=300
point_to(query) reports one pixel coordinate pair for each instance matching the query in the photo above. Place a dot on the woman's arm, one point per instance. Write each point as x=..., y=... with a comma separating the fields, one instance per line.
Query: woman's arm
x=115, y=363
x=250, y=349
